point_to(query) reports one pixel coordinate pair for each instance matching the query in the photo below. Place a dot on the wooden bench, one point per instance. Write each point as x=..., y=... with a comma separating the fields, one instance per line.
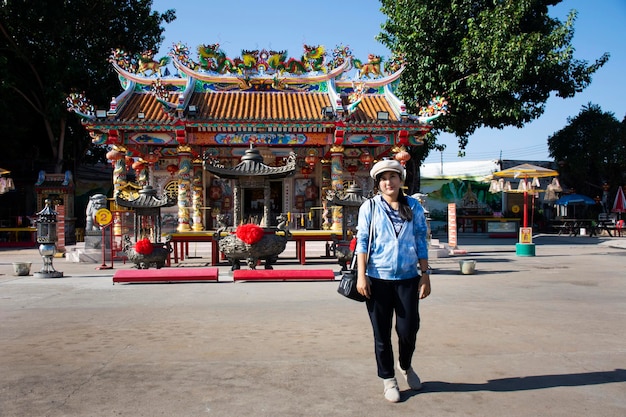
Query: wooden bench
x=284, y=275
x=166, y=275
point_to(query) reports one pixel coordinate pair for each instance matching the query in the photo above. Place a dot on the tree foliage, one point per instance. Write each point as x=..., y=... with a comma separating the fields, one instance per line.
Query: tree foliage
x=590, y=151
x=48, y=48
x=497, y=61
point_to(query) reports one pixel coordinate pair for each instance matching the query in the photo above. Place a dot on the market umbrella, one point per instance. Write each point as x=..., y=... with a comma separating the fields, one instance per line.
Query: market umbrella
x=526, y=171
x=619, y=206
x=568, y=199
x=574, y=200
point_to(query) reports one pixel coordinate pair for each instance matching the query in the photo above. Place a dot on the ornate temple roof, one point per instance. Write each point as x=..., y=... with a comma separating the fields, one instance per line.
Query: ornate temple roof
x=261, y=91
x=252, y=165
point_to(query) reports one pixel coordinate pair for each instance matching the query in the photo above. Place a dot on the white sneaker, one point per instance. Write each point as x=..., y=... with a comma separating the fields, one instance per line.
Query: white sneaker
x=392, y=393
x=411, y=378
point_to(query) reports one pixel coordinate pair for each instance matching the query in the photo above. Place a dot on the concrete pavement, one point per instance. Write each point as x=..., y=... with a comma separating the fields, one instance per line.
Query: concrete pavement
x=524, y=336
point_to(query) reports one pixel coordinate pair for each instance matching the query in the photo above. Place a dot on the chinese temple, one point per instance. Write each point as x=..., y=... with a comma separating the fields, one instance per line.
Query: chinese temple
x=327, y=113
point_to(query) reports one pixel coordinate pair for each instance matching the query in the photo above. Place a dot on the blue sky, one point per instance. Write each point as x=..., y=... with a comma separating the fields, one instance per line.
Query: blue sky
x=279, y=24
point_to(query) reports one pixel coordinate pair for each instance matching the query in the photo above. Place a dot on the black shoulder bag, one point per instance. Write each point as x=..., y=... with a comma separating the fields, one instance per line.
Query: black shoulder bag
x=347, y=284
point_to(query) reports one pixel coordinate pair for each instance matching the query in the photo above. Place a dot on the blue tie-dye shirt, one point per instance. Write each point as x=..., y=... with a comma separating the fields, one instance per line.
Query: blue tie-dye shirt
x=392, y=257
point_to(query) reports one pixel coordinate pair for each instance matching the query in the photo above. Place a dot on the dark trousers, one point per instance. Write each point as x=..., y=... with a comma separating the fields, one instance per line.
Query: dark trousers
x=401, y=297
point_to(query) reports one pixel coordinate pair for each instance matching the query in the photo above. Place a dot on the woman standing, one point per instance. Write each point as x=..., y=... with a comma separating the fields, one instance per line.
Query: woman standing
x=391, y=279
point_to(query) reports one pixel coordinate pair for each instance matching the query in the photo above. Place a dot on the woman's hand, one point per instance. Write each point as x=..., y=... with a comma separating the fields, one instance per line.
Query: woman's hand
x=363, y=285
x=424, y=286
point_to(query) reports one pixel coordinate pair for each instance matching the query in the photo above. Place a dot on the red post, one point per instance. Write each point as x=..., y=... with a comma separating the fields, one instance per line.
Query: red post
x=525, y=208
x=104, y=265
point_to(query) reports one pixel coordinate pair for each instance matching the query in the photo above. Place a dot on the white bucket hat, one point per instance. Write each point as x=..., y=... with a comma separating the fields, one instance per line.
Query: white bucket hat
x=388, y=165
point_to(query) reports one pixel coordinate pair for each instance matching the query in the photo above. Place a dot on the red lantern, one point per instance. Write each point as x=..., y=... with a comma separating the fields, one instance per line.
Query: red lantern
x=366, y=159
x=402, y=157
x=306, y=171
x=352, y=169
x=311, y=159
x=172, y=169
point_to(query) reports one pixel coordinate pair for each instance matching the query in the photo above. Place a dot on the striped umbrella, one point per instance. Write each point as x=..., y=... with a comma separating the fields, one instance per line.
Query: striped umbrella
x=619, y=206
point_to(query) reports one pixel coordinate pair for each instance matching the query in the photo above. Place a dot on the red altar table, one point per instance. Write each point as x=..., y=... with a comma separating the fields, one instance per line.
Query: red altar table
x=180, y=242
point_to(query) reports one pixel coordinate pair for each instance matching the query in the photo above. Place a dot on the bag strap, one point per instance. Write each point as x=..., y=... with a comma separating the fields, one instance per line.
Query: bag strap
x=369, y=239
x=371, y=235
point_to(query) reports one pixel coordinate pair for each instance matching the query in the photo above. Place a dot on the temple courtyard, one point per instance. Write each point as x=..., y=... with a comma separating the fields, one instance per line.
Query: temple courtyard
x=524, y=336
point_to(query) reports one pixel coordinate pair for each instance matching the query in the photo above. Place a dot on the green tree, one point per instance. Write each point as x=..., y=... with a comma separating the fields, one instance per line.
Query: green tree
x=497, y=62
x=591, y=150
x=47, y=48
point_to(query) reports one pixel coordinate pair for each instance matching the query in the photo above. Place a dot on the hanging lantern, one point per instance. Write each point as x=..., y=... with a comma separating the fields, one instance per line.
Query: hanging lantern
x=352, y=169
x=306, y=171
x=366, y=159
x=311, y=158
x=172, y=169
x=402, y=156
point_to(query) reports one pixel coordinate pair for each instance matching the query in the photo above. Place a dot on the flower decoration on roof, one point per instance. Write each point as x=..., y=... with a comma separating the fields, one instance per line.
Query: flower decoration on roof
x=79, y=104
x=340, y=55
x=438, y=106
x=160, y=91
x=396, y=62
x=180, y=52
x=123, y=60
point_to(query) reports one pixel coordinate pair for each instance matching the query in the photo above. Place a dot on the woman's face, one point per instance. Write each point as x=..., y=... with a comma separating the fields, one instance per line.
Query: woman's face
x=389, y=184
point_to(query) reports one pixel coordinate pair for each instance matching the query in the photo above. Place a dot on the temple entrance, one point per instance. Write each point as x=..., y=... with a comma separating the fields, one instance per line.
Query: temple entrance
x=253, y=203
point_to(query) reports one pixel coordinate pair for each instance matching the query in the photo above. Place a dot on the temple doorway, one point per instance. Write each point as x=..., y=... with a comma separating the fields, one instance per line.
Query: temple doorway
x=253, y=203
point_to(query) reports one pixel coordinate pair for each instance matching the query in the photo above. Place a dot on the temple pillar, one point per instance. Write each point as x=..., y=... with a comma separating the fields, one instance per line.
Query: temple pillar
x=196, y=197
x=119, y=174
x=336, y=175
x=184, y=188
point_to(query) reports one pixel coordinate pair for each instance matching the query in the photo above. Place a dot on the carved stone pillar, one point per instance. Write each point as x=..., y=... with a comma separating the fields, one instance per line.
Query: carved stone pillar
x=196, y=197
x=336, y=175
x=184, y=188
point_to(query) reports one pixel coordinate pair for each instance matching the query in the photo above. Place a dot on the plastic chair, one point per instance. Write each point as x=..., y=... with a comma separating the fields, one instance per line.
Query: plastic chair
x=619, y=225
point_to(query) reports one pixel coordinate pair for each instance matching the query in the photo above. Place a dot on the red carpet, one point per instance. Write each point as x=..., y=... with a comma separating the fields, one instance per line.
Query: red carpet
x=166, y=275
x=284, y=275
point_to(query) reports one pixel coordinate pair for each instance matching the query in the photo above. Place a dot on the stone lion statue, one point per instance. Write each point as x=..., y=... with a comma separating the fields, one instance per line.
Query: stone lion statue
x=96, y=202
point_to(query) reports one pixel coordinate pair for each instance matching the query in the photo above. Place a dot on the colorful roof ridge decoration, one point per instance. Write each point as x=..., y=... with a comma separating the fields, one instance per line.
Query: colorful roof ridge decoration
x=257, y=91
x=253, y=68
